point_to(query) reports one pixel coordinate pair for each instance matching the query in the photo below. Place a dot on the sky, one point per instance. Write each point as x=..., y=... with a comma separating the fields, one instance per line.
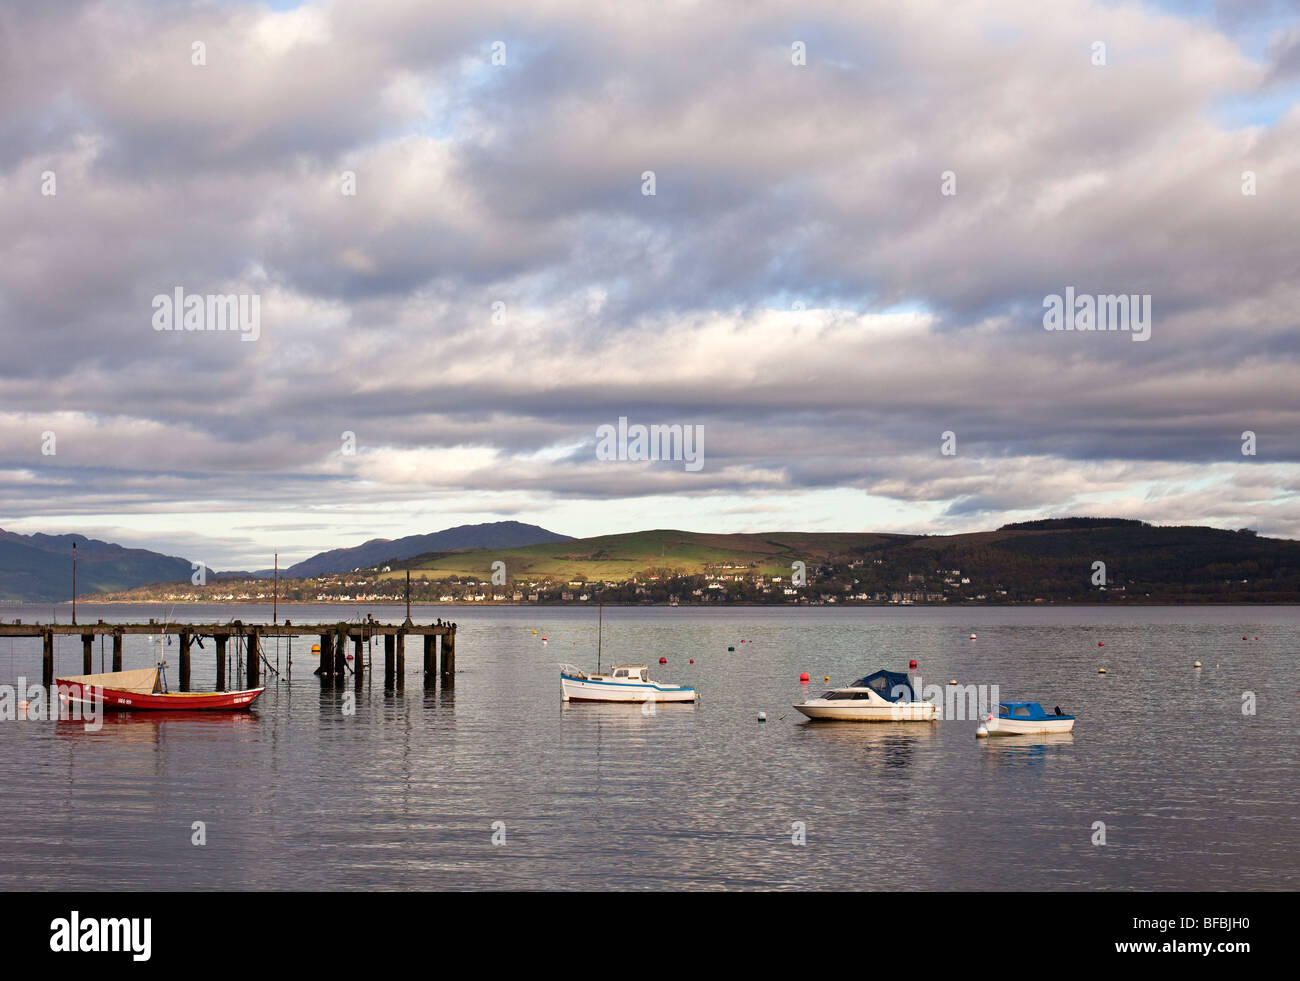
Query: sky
x=859, y=214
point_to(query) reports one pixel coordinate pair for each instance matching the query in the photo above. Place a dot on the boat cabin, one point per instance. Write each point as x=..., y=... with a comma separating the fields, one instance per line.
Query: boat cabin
x=629, y=672
x=1029, y=711
x=889, y=685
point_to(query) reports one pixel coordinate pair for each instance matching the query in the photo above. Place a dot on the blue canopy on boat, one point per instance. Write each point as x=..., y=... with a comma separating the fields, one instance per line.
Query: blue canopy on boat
x=1027, y=710
x=892, y=686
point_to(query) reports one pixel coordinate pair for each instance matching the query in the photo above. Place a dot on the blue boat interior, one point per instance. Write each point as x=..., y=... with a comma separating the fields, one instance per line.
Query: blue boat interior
x=1031, y=711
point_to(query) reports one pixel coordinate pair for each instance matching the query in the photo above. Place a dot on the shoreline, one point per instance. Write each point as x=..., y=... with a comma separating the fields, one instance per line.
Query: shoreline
x=690, y=606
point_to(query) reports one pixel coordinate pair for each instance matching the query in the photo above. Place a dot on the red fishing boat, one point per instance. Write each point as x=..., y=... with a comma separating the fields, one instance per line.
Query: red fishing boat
x=133, y=691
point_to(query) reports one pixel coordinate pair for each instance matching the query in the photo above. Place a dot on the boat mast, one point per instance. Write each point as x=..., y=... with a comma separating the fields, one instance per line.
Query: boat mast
x=600, y=628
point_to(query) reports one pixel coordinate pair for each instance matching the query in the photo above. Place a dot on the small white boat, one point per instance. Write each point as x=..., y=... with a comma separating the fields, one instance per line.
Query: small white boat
x=885, y=696
x=624, y=683
x=1024, y=719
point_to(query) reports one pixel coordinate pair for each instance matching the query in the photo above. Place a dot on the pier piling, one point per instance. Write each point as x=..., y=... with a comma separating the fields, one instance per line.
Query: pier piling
x=183, y=659
x=390, y=659
x=117, y=650
x=220, y=640
x=47, y=657
x=430, y=659
x=254, y=650
x=449, y=657
x=326, y=668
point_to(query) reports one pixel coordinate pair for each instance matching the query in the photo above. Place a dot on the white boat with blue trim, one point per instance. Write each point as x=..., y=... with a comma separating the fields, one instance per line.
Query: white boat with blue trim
x=624, y=683
x=886, y=696
x=1025, y=719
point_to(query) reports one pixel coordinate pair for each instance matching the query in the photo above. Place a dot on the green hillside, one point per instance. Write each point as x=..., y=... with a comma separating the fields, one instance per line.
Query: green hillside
x=617, y=558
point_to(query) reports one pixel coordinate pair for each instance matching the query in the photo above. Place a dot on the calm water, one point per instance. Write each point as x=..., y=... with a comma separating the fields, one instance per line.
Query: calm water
x=403, y=794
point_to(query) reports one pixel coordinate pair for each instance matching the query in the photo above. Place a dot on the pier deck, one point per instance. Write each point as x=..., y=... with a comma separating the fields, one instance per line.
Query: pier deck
x=439, y=645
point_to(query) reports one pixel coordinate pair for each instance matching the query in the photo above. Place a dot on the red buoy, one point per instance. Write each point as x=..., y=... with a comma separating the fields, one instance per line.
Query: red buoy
x=804, y=677
x=912, y=664
x=692, y=660
x=663, y=660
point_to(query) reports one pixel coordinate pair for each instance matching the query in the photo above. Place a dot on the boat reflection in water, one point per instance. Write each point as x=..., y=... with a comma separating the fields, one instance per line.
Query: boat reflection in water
x=1025, y=750
x=148, y=726
x=623, y=714
x=891, y=743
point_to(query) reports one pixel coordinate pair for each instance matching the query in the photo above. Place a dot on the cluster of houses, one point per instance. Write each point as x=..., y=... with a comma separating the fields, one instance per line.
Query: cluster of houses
x=819, y=585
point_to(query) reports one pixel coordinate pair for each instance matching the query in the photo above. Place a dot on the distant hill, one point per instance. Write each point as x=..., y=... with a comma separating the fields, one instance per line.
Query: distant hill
x=378, y=551
x=1051, y=560
x=38, y=568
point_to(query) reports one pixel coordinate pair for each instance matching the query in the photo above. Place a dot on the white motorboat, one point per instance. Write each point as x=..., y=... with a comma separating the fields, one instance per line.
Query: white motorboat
x=624, y=683
x=885, y=696
x=1024, y=719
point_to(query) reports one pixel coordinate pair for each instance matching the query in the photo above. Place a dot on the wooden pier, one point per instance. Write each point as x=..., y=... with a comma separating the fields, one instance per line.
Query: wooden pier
x=334, y=669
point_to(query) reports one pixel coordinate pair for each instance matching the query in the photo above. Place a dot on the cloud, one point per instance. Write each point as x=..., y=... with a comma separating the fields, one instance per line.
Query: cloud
x=499, y=285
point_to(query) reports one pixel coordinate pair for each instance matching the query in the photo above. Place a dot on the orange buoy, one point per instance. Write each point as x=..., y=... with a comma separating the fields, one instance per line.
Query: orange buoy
x=804, y=677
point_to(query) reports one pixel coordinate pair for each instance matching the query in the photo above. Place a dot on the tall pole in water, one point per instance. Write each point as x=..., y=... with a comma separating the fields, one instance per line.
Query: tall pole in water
x=600, y=631
x=275, y=596
x=74, y=582
x=408, y=595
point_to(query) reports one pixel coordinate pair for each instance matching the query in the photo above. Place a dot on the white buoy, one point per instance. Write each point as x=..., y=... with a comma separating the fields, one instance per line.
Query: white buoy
x=1101, y=670
x=953, y=682
x=972, y=636
x=762, y=716
x=1197, y=664
x=982, y=732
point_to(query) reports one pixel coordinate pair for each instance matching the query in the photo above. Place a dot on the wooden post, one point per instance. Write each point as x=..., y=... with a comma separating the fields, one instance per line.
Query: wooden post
x=184, y=660
x=358, y=651
x=340, y=652
x=390, y=659
x=430, y=658
x=254, y=666
x=401, y=658
x=326, y=656
x=117, y=650
x=87, y=653
x=47, y=657
x=449, y=656
x=221, y=661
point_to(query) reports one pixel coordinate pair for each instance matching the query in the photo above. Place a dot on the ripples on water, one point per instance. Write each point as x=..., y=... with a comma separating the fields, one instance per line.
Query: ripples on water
x=404, y=795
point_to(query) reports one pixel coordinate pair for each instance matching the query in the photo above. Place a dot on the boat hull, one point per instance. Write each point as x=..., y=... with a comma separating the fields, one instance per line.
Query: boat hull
x=128, y=701
x=998, y=726
x=586, y=690
x=848, y=710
